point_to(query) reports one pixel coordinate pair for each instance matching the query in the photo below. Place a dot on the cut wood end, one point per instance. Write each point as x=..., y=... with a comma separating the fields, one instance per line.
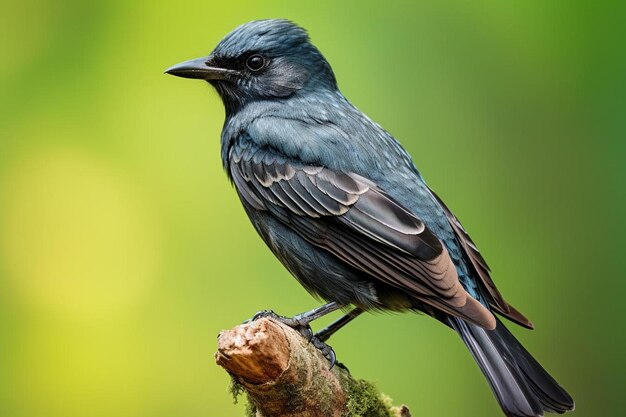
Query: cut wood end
x=285, y=376
x=258, y=351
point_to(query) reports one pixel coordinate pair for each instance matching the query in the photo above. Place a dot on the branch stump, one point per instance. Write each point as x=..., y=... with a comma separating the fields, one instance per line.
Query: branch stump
x=284, y=376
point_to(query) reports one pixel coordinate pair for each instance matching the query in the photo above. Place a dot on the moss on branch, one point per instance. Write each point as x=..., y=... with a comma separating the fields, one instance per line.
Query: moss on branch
x=284, y=376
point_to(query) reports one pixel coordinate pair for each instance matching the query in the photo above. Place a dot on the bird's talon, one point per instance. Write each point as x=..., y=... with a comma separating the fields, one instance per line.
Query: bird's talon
x=295, y=323
x=307, y=333
x=326, y=350
x=332, y=358
x=301, y=325
x=261, y=314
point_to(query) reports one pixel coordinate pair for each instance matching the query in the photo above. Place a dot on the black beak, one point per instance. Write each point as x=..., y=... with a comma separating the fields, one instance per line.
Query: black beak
x=200, y=68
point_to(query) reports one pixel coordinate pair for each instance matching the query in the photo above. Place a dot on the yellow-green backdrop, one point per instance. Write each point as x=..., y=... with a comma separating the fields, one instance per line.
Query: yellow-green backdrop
x=124, y=250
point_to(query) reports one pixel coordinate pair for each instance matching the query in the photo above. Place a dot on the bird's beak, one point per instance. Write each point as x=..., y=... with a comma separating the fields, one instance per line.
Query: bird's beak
x=200, y=68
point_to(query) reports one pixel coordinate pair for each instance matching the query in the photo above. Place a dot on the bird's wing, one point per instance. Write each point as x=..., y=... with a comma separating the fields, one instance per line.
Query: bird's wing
x=481, y=269
x=352, y=218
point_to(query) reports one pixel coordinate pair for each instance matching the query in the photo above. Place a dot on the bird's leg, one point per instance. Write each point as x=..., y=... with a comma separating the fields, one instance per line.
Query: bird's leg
x=305, y=318
x=301, y=323
x=325, y=334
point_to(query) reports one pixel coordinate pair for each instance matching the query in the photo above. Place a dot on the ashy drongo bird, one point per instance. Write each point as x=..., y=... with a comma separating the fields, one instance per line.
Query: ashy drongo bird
x=340, y=203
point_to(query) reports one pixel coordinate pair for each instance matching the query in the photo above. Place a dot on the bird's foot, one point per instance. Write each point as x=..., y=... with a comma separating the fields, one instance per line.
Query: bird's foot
x=301, y=326
x=326, y=350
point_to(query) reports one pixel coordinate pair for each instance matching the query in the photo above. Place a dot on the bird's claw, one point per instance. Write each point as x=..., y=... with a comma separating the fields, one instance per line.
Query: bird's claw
x=302, y=327
x=295, y=323
x=263, y=313
x=306, y=332
x=326, y=350
x=288, y=321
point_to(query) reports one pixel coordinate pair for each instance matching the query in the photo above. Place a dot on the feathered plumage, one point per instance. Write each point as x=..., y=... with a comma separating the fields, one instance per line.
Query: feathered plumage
x=341, y=204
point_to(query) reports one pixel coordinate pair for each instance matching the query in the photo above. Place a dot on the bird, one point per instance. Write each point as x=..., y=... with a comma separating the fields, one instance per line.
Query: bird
x=341, y=204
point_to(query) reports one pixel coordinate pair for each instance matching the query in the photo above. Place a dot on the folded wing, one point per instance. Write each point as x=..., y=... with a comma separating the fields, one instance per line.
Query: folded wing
x=352, y=218
x=482, y=271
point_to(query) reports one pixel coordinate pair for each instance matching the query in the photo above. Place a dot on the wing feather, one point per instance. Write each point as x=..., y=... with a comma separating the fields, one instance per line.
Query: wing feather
x=496, y=300
x=350, y=217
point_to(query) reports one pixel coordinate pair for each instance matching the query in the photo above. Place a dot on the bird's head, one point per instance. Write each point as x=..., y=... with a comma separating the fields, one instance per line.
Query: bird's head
x=261, y=60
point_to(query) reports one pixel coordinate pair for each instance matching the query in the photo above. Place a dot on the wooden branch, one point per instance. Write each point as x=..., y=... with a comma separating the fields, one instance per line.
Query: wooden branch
x=284, y=376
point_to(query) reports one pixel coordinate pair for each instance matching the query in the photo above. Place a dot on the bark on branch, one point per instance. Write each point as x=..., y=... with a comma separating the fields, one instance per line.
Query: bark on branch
x=284, y=376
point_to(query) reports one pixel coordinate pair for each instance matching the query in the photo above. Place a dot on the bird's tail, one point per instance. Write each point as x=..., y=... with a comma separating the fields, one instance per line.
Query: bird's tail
x=523, y=388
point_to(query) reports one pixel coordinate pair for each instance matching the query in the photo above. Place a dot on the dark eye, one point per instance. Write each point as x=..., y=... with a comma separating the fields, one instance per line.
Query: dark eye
x=255, y=62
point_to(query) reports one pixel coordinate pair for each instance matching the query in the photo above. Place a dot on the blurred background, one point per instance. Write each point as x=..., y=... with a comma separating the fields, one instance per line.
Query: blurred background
x=124, y=250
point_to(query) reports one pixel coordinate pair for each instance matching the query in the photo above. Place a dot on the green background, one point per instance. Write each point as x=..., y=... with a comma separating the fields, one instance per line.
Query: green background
x=124, y=250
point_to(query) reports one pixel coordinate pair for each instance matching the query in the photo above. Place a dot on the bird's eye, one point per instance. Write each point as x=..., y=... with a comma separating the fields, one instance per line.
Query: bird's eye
x=255, y=62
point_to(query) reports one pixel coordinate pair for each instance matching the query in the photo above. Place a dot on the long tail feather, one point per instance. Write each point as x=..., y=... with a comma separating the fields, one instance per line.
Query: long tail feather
x=521, y=385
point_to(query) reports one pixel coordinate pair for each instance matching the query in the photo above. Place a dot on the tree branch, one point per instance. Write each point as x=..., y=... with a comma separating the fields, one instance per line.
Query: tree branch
x=284, y=376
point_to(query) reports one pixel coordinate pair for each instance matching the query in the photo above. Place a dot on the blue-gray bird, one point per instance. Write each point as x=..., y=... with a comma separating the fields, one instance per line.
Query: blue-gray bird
x=340, y=203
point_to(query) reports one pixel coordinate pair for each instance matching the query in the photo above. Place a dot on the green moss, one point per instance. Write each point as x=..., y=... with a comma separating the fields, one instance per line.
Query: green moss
x=364, y=400
x=236, y=390
x=250, y=409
